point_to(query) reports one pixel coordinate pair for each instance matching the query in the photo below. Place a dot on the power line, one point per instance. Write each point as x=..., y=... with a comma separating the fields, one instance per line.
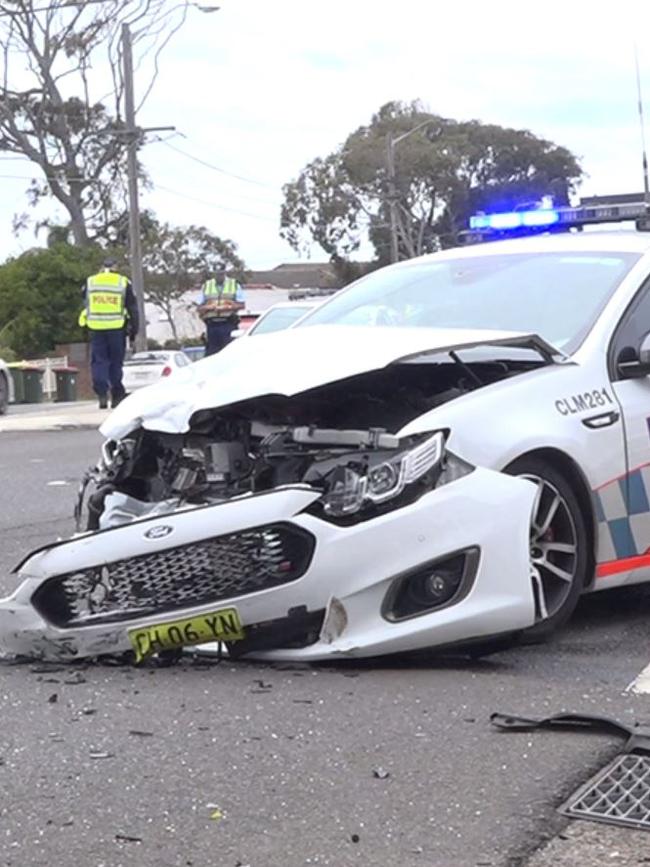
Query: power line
x=213, y=205
x=218, y=168
x=256, y=199
x=159, y=187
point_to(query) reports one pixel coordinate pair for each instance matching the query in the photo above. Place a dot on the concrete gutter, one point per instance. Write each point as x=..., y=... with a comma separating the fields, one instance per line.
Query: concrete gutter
x=590, y=844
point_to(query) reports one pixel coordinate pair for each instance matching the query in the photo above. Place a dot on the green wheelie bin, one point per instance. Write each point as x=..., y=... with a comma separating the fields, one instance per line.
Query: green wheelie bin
x=66, y=384
x=33, y=385
x=16, y=372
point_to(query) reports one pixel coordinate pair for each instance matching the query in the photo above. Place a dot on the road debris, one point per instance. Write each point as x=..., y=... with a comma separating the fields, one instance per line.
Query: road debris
x=380, y=773
x=261, y=686
x=216, y=813
x=100, y=755
x=127, y=838
x=53, y=698
x=140, y=734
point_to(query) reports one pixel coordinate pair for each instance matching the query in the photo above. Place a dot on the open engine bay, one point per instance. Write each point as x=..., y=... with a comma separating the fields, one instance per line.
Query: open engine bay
x=317, y=438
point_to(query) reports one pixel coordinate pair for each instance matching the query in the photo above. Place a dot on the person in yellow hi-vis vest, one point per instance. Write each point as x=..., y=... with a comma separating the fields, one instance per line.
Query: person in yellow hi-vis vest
x=110, y=314
x=221, y=299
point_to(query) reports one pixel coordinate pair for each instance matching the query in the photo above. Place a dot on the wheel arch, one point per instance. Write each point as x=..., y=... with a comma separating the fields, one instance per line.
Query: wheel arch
x=574, y=475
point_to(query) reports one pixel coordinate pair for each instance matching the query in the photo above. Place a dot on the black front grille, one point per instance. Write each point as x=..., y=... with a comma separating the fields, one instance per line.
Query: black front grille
x=201, y=573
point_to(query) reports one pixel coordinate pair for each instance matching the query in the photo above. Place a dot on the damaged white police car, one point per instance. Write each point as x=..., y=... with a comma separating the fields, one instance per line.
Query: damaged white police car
x=462, y=471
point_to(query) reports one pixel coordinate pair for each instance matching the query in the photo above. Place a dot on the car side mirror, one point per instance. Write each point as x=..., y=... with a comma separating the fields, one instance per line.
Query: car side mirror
x=632, y=365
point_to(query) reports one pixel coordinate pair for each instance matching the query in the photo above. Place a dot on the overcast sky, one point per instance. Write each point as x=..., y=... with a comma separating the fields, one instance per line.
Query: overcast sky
x=261, y=87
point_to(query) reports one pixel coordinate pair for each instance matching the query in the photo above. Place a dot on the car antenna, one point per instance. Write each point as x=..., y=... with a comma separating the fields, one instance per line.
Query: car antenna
x=646, y=187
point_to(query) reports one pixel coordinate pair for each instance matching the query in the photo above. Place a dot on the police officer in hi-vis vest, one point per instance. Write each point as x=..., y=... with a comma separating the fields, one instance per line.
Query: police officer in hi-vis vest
x=221, y=298
x=111, y=315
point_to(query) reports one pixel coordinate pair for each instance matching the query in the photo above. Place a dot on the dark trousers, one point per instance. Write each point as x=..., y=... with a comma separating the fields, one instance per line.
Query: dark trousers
x=106, y=361
x=219, y=333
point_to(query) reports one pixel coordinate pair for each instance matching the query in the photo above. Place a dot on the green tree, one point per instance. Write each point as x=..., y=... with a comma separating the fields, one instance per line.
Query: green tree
x=40, y=297
x=177, y=260
x=443, y=173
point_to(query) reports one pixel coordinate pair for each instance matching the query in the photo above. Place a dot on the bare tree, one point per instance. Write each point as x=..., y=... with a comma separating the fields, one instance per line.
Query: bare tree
x=50, y=110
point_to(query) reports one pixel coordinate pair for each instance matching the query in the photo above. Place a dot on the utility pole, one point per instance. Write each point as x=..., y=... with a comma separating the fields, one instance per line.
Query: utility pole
x=134, y=135
x=133, y=140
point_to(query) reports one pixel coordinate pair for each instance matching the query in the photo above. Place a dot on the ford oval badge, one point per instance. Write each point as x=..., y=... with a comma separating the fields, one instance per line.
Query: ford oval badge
x=159, y=532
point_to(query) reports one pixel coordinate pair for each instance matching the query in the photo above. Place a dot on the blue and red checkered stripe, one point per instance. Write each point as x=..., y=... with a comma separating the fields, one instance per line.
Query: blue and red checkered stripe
x=623, y=515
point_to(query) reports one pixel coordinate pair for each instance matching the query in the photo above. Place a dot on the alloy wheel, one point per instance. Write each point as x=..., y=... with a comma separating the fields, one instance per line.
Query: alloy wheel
x=553, y=548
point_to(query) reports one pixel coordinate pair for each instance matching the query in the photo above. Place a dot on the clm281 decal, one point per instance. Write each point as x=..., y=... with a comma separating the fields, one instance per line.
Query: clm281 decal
x=583, y=402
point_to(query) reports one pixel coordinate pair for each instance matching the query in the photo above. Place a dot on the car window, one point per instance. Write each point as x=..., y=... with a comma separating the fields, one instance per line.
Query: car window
x=633, y=327
x=556, y=295
x=150, y=356
x=180, y=359
x=279, y=319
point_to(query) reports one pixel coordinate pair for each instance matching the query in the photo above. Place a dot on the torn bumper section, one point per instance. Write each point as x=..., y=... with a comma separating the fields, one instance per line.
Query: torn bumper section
x=271, y=578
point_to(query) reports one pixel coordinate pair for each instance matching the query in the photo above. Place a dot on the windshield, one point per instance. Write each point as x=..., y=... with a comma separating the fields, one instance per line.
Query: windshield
x=555, y=295
x=279, y=319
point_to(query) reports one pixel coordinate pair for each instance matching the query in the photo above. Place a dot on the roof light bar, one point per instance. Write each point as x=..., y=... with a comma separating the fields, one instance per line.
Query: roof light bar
x=514, y=219
x=599, y=210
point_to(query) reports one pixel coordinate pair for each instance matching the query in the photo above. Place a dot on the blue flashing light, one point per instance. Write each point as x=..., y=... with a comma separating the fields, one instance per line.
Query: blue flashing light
x=479, y=221
x=505, y=221
x=515, y=219
x=543, y=217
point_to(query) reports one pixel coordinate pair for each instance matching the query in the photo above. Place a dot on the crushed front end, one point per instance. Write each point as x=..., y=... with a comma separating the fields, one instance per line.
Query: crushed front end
x=297, y=527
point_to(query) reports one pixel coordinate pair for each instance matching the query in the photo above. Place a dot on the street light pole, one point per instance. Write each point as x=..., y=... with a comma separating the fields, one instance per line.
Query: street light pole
x=133, y=137
x=392, y=186
x=392, y=195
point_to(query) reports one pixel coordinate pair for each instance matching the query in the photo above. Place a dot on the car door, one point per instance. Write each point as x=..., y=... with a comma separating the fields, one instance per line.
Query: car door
x=631, y=385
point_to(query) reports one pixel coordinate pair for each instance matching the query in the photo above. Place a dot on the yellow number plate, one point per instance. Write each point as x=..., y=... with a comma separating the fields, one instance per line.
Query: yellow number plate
x=221, y=625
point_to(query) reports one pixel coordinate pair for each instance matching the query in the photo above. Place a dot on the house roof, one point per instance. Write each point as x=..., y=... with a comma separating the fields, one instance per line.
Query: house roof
x=297, y=275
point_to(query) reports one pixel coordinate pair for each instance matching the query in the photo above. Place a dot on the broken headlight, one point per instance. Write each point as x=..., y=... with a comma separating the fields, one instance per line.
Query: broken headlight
x=350, y=487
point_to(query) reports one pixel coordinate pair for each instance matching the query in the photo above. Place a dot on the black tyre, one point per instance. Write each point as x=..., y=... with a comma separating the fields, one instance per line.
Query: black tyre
x=4, y=394
x=559, y=546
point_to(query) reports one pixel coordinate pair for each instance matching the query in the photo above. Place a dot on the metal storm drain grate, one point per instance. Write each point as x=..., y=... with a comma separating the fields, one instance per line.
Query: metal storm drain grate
x=618, y=794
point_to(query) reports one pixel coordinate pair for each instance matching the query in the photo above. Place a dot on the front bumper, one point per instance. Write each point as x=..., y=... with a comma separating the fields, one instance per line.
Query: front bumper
x=349, y=573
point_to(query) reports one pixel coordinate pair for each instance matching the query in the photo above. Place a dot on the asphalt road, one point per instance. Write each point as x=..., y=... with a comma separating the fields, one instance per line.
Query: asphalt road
x=274, y=766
